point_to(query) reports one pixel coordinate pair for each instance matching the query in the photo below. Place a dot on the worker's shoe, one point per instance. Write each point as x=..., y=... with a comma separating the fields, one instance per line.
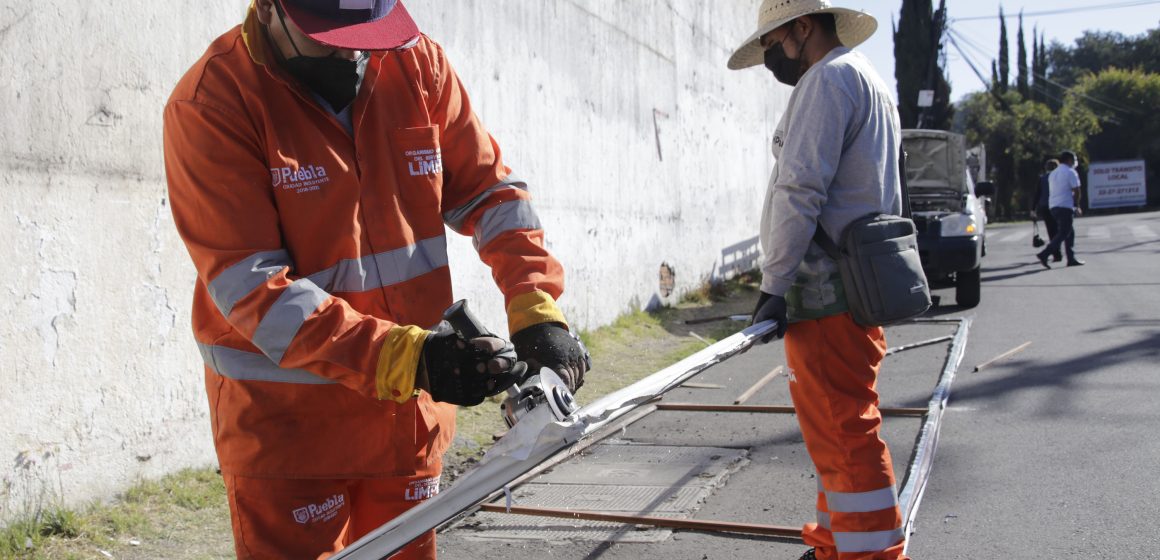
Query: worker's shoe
x=809, y=555
x=1043, y=261
x=1075, y=262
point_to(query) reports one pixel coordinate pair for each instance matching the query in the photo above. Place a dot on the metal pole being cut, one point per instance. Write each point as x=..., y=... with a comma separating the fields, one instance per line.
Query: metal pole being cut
x=535, y=438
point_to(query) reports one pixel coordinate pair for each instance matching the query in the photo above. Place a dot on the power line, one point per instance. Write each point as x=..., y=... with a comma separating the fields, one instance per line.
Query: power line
x=986, y=83
x=1062, y=11
x=988, y=54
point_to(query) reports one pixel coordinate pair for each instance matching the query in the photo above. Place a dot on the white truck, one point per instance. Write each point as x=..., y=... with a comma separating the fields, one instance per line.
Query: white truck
x=949, y=210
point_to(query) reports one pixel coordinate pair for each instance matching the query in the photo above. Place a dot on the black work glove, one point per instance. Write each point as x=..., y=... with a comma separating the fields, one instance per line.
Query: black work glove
x=464, y=372
x=551, y=345
x=769, y=307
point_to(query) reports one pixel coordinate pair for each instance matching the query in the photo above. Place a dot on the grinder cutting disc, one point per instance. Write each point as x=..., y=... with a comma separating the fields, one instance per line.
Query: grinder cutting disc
x=544, y=388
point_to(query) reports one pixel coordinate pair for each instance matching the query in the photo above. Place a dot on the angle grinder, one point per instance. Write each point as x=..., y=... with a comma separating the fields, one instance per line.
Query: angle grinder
x=542, y=388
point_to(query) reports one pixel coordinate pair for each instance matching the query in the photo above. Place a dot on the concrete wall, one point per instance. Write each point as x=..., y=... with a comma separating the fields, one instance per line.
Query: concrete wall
x=640, y=147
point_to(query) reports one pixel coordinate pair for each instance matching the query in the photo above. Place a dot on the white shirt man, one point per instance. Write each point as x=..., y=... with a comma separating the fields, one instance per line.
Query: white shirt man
x=1064, y=186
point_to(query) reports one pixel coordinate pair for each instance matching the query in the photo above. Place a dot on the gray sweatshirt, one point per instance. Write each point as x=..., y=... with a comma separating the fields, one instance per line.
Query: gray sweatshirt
x=837, y=160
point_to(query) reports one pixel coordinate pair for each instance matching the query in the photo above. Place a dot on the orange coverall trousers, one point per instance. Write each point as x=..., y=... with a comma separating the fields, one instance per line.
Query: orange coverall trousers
x=833, y=381
x=325, y=515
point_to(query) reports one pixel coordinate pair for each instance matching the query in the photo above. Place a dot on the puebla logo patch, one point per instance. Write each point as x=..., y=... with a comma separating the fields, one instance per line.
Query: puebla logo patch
x=316, y=513
x=299, y=179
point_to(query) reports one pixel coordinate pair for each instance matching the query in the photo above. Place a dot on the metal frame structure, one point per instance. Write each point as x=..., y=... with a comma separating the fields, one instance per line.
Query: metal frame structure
x=536, y=438
x=538, y=442
x=923, y=460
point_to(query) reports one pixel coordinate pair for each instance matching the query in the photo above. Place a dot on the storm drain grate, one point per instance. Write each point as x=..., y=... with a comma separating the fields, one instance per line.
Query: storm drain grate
x=657, y=480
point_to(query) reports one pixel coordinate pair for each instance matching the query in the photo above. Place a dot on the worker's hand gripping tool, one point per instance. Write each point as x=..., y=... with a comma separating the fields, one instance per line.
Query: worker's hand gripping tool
x=542, y=388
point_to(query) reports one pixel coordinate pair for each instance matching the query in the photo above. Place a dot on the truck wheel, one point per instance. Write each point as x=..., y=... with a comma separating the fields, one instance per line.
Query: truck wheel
x=968, y=284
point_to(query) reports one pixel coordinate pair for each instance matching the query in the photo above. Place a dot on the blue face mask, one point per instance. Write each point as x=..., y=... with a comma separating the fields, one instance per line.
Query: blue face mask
x=337, y=80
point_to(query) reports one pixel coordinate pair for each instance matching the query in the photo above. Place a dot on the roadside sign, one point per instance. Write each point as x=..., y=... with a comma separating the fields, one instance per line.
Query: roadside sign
x=926, y=98
x=1115, y=184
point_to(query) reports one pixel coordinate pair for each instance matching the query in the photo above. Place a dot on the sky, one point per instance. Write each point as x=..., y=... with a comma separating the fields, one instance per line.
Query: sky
x=1065, y=28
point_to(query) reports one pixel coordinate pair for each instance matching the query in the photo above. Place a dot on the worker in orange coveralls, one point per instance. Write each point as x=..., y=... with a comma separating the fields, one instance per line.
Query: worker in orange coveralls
x=314, y=155
x=837, y=160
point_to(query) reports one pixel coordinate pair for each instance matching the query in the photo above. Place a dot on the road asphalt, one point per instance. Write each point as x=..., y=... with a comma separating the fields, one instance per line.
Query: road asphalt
x=1049, y=453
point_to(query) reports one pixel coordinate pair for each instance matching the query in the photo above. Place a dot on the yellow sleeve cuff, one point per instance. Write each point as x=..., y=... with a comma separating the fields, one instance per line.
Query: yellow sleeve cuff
x=398, y=361
x=532, y=308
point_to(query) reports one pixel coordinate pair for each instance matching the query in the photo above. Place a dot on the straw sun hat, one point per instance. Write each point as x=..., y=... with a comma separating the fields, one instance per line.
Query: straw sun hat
x=854, y=26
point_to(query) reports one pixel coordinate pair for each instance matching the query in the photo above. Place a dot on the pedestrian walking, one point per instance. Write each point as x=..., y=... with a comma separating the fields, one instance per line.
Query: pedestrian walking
x=1043, y=204
x=314, y=155
x=1065, y=190
x=837, y=150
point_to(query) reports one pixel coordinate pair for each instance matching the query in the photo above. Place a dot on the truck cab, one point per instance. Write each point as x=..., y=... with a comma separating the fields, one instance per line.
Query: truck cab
x=949, y=210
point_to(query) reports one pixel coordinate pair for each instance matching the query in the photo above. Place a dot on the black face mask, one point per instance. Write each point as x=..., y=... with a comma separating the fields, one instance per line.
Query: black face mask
x=337, y=80
x=787, y=70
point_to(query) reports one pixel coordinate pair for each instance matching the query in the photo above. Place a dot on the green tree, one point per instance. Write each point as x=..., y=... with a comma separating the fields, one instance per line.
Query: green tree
x=1126, y=103
x=1095, y=51
x=1004, y=55
x=1022, y=82
x=917, y=44
x=1019, y=138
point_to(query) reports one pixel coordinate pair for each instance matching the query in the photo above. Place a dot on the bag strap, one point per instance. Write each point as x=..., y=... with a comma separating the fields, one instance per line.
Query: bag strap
x=823, y=240
x=902, y=180
x=826, y=243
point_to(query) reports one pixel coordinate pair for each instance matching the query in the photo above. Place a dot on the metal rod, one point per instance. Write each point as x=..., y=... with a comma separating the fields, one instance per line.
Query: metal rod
x=921, y=462
x=735, y=317
x=773, y=409
x=576, y=449
x=759, y=385
x=693, y=385
x=703, y=320
x=1004, y=355
x=701, y=338
x=691, y=524
x=898, y=349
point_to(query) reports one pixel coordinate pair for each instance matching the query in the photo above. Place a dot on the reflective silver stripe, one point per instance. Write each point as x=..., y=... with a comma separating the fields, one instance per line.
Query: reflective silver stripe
x=823, y=520
x=248, y=366
x=384, y=269
x=282, y=321
x=456, y=216
x=857, y=502
x=517, y=214
x=869, y=541
x=235, y=282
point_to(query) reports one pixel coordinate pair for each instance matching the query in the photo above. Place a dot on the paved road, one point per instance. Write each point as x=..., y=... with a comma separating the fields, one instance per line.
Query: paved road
x=1050, y=454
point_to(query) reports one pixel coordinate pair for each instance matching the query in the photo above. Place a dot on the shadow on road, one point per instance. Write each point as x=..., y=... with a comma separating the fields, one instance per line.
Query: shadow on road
x=1027, y=374
x=995, y=278
x=1124, y=248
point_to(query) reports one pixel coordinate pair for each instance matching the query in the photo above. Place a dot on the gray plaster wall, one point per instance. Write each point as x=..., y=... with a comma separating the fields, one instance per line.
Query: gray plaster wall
x=639, y=146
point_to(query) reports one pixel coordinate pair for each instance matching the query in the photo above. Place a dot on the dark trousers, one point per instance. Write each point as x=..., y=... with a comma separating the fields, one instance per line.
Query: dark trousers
x=1064, y=235
x=1052, y=227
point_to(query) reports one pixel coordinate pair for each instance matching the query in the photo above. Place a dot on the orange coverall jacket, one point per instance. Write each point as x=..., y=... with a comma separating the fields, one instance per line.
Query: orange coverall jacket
x=315, y=250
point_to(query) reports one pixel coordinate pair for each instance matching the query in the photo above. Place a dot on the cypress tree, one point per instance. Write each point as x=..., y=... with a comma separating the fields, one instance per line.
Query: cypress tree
x=1004, y=55
x=1044, y=86
x=911, y=38
x=1035, y=83
x=1022, y=81
x=917, y=40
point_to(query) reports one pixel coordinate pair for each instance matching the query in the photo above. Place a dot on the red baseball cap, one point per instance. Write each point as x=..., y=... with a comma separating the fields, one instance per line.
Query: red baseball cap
x=365, y=25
